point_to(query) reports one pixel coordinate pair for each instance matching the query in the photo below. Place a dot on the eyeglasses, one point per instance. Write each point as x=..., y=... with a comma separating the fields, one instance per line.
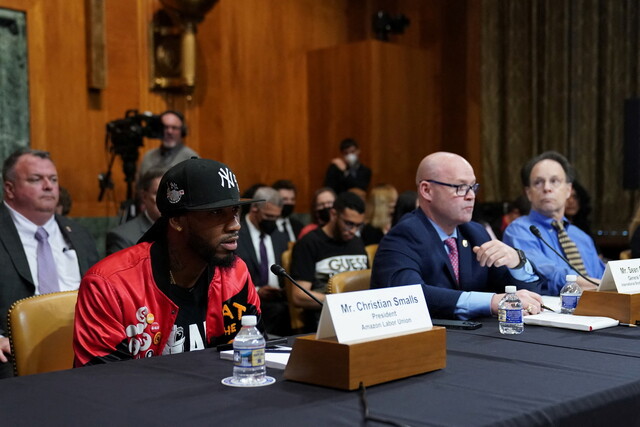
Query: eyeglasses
x=461, y=189
x=540, y=183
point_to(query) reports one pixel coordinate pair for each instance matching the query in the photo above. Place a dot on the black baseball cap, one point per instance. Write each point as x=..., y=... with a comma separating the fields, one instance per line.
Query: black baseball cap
x=195, y=185
x=198, y=185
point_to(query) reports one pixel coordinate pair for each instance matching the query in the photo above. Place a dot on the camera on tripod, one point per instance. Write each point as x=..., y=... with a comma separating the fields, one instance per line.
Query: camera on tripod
x=123, y=138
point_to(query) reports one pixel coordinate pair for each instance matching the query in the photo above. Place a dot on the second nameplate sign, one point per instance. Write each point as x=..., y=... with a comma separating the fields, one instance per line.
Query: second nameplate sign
x=375, y=313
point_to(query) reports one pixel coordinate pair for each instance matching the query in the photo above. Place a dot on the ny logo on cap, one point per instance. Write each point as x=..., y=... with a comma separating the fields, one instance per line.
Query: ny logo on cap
x=227, y=175
x=173, y=193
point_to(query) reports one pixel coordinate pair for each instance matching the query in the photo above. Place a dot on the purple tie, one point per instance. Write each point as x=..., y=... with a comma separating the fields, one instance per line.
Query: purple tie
x=264, y=263
x=453, y=255
x=47, y=273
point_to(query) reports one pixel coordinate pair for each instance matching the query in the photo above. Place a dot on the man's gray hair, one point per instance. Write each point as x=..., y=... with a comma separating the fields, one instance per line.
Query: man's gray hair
x=269, y=195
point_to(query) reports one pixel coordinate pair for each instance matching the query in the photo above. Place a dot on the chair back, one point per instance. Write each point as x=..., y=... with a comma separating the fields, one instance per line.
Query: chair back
x=41, y=332
x=626, y=254
x=350, y=281
x=371, y=252
x=295, y=313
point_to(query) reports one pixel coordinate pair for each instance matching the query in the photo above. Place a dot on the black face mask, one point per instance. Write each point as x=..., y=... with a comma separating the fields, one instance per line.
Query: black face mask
x=324, y=215
x=267, y=226
x=287, y=210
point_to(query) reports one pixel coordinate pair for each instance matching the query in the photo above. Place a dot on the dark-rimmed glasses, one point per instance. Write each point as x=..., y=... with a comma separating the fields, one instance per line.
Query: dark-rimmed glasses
x=461, y=189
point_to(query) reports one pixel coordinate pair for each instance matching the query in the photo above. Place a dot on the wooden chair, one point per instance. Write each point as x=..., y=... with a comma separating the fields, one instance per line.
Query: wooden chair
x=350, y=281
x=295, y=313
x=371, y=252
x=41, y=332
x=626, y=254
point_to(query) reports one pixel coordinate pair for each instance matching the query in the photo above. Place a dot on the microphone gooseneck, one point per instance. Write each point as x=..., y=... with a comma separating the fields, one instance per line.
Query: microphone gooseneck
x=537, y=233
x=279, y=271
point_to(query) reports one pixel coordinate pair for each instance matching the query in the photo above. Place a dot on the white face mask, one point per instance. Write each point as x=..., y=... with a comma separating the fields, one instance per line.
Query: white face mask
x=351, y=158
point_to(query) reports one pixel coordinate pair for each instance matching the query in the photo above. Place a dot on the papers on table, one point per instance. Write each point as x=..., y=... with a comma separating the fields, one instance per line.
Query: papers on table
x=570, y=321
x=274, y=358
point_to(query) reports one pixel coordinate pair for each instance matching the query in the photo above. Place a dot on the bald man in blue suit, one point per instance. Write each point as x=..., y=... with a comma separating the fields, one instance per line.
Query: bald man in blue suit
x=462, y=271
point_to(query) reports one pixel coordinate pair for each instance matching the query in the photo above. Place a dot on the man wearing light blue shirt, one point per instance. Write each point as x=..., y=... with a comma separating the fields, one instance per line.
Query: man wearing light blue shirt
x=547, y=182
x=462, y=271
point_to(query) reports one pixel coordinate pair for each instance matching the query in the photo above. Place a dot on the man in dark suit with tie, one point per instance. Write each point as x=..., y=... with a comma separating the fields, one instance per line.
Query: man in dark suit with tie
x=128, y=234
x=40, y=252
x=462, y=271
x=261, y=245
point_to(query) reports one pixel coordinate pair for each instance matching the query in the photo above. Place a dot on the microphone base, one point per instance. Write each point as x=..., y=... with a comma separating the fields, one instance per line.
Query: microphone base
x=622, y=307
x=328, y=363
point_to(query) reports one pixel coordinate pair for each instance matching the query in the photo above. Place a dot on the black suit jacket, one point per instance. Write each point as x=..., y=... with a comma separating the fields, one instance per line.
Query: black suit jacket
x=246, y=251
x=17, y=282
x=127, y=234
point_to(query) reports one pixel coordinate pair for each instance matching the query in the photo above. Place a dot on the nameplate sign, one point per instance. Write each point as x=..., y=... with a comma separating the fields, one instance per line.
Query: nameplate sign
x=622, y=276
x=375, y=313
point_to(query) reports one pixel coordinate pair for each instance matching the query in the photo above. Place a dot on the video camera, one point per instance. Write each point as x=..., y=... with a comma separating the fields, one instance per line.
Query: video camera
x=123, y=138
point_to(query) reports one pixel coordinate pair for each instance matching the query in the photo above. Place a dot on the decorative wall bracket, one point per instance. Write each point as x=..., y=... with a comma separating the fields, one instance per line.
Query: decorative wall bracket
x=173, y=44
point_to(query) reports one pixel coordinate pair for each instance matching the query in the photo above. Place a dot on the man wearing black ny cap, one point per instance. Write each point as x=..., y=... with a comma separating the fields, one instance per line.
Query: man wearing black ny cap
x=182, y=288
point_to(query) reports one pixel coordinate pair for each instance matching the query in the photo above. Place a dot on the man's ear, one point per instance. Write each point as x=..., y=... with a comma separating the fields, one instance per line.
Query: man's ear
x=9, y=193
x=176, y=223
x=425, y=190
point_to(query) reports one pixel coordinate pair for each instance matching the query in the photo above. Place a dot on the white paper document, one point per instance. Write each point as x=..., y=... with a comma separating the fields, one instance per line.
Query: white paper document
x=570, y=321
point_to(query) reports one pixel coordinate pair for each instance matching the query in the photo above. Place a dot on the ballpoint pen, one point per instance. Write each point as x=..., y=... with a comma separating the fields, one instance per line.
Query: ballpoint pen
x=547, y=308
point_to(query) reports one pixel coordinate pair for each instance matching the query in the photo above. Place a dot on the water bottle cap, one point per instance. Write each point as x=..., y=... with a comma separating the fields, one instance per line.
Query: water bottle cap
x=249, y=320
x=510, y=289
x=571, y=278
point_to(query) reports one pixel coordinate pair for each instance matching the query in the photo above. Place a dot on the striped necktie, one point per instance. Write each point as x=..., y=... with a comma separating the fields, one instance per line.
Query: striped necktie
x=569, y=247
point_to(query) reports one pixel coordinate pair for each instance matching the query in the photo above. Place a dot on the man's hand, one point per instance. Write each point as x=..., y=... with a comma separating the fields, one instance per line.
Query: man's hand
x=531, y=302
x=268, y=293
x=5, y=348
x=494, y=253
x=340, y=163
x=586, y=285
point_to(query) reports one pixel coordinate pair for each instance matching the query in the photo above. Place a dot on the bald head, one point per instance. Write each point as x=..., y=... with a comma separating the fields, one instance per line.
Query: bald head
x=440, y=163
x=439, y=200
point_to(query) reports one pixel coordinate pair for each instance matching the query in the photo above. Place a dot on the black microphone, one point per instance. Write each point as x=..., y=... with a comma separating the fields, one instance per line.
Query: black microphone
x=537, y=233
x=281, y=272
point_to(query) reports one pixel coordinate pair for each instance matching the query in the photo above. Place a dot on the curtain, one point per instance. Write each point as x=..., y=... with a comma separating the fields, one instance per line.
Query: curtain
x=555, y=75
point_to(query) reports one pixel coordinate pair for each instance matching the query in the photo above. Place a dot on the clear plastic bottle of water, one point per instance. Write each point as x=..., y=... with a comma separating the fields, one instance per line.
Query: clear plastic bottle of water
x=570, y=294
x=510, y=313
x=248, y=353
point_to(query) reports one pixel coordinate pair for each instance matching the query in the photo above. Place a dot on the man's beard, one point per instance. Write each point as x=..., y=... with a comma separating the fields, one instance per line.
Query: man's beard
x=208, y=253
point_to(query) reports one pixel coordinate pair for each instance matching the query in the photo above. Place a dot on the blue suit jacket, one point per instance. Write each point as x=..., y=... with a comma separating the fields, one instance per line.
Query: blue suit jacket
x=412, y=253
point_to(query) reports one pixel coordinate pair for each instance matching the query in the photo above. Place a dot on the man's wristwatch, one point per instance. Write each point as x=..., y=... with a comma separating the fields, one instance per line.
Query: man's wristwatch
x=523, y=259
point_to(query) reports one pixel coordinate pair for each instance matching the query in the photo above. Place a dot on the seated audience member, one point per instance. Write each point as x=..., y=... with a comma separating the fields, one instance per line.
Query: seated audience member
x=286, y=223
x=64, y=202
x=462, y=271
x=260, y=245
x=322, y=203
x=328, y=250
x=248, y=194
x=381, y=203
x=547, y=182
x=519, y=207
x=40, y=252
x=172, y=149
x=407, y=202
x=347, y=172
x=128, y=234
x=578, y=207
x=182, y=288
x=634, y=233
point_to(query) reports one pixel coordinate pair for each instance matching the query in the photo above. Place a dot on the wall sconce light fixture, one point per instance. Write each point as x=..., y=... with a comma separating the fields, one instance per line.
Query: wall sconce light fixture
x=173, y=44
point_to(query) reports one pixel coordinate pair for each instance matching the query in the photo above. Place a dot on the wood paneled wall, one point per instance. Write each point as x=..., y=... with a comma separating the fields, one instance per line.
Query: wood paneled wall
x=250, y=106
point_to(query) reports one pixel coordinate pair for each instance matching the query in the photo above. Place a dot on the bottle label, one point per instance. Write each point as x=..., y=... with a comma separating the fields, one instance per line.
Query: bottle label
x=510, y=316
x=569, y=301
x=248, y=358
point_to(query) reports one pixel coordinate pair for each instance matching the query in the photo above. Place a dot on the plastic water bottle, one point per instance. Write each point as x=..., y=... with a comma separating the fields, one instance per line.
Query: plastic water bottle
x=570, y=294
x=248, y=353
x=510, y=313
